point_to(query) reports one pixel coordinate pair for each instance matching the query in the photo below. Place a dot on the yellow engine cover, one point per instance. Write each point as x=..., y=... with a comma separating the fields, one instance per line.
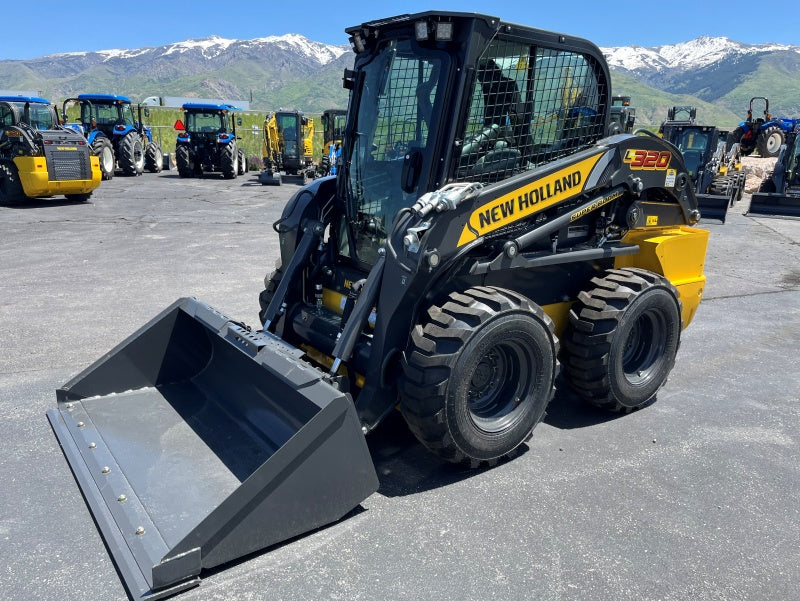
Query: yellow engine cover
x=36, y=181
x=678, y=254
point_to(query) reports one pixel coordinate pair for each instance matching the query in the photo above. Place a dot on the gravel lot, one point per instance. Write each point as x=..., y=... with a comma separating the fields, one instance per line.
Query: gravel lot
x=696, y=496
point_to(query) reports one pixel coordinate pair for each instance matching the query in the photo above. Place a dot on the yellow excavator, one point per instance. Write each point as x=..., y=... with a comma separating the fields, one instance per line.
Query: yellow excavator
x=288, y=148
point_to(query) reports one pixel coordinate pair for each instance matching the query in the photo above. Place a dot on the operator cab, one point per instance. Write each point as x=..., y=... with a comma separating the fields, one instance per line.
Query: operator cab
x=32, y=111
x=448, y=97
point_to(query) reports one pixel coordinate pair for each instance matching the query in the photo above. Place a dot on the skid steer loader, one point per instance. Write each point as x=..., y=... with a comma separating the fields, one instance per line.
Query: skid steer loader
x=717, y=174
x=38, y=157
x=779, y=192
x=480, y=231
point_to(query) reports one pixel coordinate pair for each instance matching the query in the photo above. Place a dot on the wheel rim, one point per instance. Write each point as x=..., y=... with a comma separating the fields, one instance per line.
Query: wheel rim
x=497, y=387
x=773, y=143
x=138, y=155
x=107, y=160
x=644, y=347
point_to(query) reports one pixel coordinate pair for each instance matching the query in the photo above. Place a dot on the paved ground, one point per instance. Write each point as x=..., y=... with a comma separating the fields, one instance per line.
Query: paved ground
x=694, y=497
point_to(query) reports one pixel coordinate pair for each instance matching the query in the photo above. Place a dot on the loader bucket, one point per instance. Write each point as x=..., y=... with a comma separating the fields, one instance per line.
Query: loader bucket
x=196, y=441
x=269, y=179
x=772, y=203
x=713, y=206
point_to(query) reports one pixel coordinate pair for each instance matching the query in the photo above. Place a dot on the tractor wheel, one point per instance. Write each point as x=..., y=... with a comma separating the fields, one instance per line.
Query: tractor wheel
x=228, y=160
x=131, y=154
x=242, y=163
x=183, y=159
x=622, y=338
x=767, y=185
x=270, y=286
x=769, y=141
x=11, y=192
x=104, y=151
x=736, y=137
x=477, y=377
x=153, y=158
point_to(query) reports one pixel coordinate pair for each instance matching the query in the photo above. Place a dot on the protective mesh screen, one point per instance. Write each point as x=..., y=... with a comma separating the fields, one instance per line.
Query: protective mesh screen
x=527, y=109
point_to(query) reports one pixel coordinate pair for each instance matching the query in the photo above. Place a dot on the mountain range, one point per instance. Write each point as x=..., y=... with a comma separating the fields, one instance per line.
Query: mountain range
x=715, y=74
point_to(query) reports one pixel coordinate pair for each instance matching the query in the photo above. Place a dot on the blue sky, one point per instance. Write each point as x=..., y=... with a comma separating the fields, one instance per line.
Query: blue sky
x=606, y=23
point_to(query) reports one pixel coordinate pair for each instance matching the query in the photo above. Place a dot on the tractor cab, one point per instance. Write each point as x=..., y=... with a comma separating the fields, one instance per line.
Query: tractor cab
x=207, y=120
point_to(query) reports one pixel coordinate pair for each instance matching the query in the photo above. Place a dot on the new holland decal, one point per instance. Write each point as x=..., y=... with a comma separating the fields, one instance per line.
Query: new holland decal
x=536, y=196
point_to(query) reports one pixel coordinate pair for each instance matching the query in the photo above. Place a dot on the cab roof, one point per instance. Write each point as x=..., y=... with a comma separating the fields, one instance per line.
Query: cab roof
x=30, y=99
x=104, y=98
x=200, y=106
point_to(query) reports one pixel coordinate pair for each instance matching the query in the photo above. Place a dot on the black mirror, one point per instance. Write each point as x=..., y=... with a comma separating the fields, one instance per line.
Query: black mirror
x=349, y=79
x=146, y=112
x=238, y=120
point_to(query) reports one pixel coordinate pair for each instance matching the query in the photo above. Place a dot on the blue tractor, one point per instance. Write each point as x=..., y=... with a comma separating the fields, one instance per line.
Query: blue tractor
x=765, y=134
x=207, y=141
x=117, y=137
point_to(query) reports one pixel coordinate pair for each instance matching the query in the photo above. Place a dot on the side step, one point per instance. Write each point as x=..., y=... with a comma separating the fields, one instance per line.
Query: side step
x=196, y=442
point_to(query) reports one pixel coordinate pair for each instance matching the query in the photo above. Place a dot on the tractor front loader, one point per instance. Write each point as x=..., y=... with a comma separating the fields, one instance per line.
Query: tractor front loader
x=779, y=193
x=480, y=231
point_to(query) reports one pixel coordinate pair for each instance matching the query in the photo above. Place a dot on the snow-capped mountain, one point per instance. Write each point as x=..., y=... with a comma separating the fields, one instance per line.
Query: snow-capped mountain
x=716, y=70
x=698, y=53
x=292, y=71
x=287, y=70
x=214, y=46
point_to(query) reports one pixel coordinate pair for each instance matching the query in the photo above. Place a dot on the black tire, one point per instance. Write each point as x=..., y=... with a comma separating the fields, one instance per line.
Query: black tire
x=723, y=186
x=79, y=197
x=477, y=377
x=183, y=160
x=242, y=168
x=767, y=185
x=228, y=160
x=622, y=338
x=734, y=137
x=104, y=151
x=131, y=154
x=271, y=282
x=154, y=158
x=11, y=191
x=769, y=141
x=746, y=147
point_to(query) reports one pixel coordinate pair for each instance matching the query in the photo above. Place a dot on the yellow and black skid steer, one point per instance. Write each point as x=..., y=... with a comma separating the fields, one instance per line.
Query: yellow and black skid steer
x=38, y=157
x=480, y=231
x=779, y=192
